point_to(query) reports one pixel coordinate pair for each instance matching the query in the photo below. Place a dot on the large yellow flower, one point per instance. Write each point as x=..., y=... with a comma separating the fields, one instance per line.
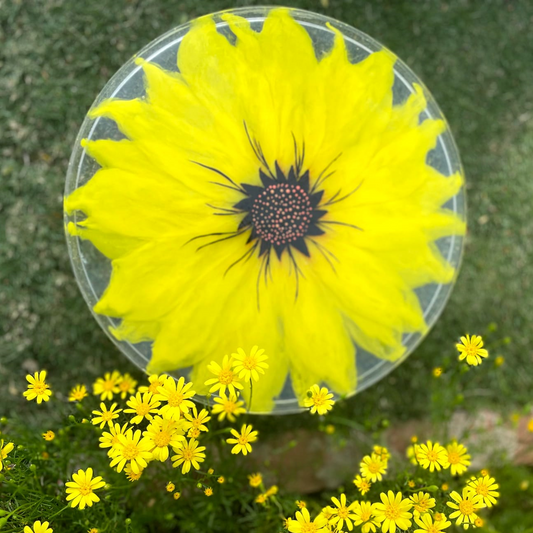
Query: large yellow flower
x=266, y=196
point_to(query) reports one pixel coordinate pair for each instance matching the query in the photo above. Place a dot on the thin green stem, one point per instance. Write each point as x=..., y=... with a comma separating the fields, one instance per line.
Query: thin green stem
x=58, y=512
x=251, y=395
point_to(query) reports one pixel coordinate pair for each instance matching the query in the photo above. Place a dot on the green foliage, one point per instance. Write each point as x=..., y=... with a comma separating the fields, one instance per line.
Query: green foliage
x=32, y=482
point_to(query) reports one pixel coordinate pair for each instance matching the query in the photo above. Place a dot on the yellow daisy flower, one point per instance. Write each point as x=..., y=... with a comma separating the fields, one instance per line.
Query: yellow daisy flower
x=105, y=416
x=126, y=385
x=437, y=372
x=373, y=467
x=319, y=400
x=466, y=504
x=226, y=378
x=161, y=434
x=142, y=405
x=177, y=495
x=49, y=435
x=428, y=524
x=458, y=458
x=342, y=513
x=188, y=453
x=109, y=439
x=193, y=420
x=177, y=397
x=4, y=450
x=479, y=522
x=107, y=386
x=410, y=453
x=80, y=491
x=363, y=484
x=208, y=491
x=38, y=527
x=365, y=517
x=432, y=456
x=243, y=439
x=255, y=480
x=93, y=530
x=471, y=349
x=193, y=433
x=393, y=512
x=422, y=503
x=77, y=393
x=133, y=450
x=38, y=389
x=321, y=135
x=155, y=382
x=272, y=491
x=170, y=487
x=485, y=487
x=250, y=366
x=228, y=406
x=131, y=475
x=261, y=498
x=303, y=523
x=382, y=452
x=221, y=479
x=300, y=504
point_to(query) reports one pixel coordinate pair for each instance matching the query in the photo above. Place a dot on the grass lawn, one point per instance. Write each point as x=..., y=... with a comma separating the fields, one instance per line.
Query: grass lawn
x=475, y=57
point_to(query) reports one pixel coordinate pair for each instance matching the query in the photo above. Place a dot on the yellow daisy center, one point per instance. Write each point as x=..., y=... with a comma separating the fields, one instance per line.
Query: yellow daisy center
x=162, y=439
x=226, y=376
x=374, y=467
x=108, y=385
x=466, y=507
x=249, y=363
x=153, y=386
x=187, y=454
x=482, y=489
x=433, y=529
x=130, y=451
x=229, y=407
x=125, y=386
x=107, y=416
x=243, y=439
x=343, y=512
x=319, y=399
x=175, y=399
x=392, y=511
x=365, y=515
x=471, y=349
x=85, y=488
x=454, y=458
x=142, y=409
x=422, y=506
x=308, y=527
x=432, y=456
x=39, y=388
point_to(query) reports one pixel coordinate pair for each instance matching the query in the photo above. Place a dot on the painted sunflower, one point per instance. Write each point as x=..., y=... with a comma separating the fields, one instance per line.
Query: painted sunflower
x=266, y=196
